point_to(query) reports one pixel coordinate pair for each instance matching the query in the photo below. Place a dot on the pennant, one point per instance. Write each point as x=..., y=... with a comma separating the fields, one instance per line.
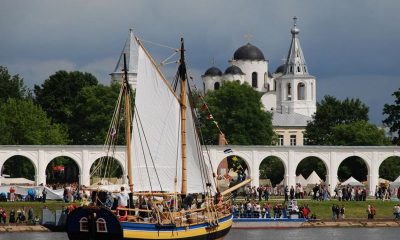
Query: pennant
x=226, y=151
x=113, y=132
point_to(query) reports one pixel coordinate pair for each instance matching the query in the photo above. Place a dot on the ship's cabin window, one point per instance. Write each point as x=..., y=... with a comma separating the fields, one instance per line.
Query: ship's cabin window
x=84, y=225
x=101, y=225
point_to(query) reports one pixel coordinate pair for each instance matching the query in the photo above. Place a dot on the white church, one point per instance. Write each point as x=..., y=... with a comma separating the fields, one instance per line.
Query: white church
x=289, y=93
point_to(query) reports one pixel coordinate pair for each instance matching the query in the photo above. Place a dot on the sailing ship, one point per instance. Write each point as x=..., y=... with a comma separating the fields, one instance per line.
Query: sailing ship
x=173, y=193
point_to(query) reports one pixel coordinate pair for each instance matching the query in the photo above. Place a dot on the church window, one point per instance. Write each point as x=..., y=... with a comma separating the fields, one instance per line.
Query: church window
x=274, y=85
x=291, y=69
x=305, y=69
x=267, y=87
x=289, y=92
x=280, y=140
x=216, y=86
x=101, y=225
x=301, y=91
x=254, y=80
x=84, y=225
x=292, y=140
x=298, y=69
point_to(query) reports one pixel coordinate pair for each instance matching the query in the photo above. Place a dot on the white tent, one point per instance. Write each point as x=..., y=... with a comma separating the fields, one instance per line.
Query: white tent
x=300, y=179
x=396, y=183
x=352, y=182
x=314, y=179
x=16, y=181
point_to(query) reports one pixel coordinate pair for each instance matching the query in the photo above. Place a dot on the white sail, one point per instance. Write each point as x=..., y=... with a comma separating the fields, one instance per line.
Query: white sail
x=156, y=143
x=195, y=162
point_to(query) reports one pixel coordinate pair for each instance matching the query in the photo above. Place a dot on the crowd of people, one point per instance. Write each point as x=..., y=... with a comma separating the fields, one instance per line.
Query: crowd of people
x=255, y=209
x=20, y=216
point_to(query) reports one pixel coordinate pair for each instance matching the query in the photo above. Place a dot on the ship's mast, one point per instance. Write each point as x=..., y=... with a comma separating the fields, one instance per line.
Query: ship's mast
x=128, y=125
x=182, y=76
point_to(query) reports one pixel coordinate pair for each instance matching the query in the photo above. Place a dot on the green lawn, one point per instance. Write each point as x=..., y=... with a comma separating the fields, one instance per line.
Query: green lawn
x=37, y=207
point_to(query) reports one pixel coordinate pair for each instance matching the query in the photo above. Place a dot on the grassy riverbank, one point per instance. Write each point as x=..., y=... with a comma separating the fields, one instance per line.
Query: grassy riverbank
x=37, y=207
x=354, y=210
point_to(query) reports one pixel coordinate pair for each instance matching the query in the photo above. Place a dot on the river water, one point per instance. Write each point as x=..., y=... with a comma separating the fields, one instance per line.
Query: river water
x=274, y=234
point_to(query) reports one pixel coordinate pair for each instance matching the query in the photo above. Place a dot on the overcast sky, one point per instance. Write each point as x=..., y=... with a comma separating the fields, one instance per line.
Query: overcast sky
x=350, y=46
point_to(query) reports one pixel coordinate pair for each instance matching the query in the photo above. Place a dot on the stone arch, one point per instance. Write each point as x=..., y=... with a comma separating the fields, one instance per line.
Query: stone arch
x=314, y=164
x=71, y=173
x=301, y=91
x=280, y=169
x=389, y=168
x=360, y=159
x=116, y=168
x=17, y=159
x=229, y=156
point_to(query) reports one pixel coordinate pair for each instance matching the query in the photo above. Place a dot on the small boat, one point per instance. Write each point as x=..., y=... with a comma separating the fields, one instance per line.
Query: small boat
x=172, y=191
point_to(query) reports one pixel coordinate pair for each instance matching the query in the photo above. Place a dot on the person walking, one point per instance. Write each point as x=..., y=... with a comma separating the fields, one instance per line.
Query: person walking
x=44, y=194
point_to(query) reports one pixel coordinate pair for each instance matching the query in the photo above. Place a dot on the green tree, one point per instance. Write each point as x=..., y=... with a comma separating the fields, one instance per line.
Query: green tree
x=92, y=114
x=330, y=113
x=310, y=164
x=24, y=123
x=272, y=168
x=353, y=167
x=58, y=94
x=390, y=168
x=11, y=86
x=393, y=116
x=240, y=116
x=359, y=133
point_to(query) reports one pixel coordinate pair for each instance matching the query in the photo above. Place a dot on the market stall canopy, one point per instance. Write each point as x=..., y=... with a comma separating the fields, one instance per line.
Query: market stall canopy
x=396, y=183
x=300, y=179
x=314, y=179
x=352, y=182
x=16, y=181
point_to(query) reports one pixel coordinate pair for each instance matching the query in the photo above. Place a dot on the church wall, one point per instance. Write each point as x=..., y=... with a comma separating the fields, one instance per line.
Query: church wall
x=248, y=67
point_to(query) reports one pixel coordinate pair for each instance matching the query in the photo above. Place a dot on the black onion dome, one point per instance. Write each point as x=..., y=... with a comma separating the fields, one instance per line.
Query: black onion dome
x=234, y=70
x=248, y=52
x=280, y=69
x=213, y=71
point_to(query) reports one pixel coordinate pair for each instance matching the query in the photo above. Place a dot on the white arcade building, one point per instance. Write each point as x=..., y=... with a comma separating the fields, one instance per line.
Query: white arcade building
x=289, y=93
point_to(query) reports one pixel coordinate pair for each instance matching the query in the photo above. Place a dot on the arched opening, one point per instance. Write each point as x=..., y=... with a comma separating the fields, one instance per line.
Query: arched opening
x=106, y=170
x=268, y=87
x=272, y=171
x=231, y=171
x=274, y=85
x=311, y=164
x=355, y=167
x=18, y=167
x=216, y=85
x=62, y=170
x=310, y=175
x=389, y=169
x=254, y=80
x=301, y=91
x=289, y=92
